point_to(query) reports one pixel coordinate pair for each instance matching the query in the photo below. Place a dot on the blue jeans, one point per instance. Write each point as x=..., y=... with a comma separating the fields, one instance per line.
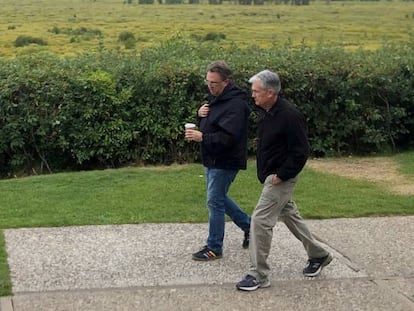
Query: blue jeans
x=219, y=204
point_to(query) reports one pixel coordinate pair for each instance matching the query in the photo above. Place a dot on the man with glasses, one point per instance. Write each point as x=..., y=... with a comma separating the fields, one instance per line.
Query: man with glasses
x=282, y=151
x=222, y=134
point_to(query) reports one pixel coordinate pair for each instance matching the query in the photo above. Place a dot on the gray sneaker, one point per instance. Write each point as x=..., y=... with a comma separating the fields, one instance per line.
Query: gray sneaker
x=314, y=265
x=250, y=283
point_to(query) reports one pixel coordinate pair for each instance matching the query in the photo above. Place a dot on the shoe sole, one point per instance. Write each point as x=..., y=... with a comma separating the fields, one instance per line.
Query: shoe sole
x=324, y=264
x=249, y=289
x=207, y=259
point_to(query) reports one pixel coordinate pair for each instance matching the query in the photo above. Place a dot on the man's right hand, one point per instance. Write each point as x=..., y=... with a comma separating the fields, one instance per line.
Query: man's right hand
x=203, y=111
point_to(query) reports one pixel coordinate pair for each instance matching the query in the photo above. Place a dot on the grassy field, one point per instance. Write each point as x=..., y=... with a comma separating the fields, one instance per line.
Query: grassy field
x=70, y=27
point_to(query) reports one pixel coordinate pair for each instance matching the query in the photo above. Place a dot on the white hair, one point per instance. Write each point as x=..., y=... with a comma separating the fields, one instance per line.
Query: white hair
x=269, y=80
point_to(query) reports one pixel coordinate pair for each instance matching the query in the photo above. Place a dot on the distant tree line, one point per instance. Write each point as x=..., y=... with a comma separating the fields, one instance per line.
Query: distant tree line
x=241, y=2
x=215, y=2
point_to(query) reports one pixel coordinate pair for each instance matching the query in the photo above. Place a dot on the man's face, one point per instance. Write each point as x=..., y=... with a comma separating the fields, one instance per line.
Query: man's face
x=215, y=84
x=262, y=97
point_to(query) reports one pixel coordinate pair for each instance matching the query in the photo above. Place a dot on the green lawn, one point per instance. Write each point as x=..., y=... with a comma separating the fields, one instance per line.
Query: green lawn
x=406, y=162
x=176, y=194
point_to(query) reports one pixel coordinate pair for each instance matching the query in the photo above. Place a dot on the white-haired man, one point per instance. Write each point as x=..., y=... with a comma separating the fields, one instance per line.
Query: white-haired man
x=282, y=151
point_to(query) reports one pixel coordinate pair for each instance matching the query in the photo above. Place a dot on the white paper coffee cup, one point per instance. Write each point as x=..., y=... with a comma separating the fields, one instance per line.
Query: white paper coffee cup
x=189, y=125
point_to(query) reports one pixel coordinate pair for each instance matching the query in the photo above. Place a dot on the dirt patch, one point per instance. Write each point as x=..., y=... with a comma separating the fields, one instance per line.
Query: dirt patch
x=379, y=170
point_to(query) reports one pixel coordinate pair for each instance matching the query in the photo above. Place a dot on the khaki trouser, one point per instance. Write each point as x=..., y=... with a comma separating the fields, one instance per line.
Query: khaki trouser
x=275, y=204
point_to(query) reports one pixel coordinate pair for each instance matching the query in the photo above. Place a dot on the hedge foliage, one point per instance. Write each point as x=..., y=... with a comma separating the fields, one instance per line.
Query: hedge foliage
x=111, y=109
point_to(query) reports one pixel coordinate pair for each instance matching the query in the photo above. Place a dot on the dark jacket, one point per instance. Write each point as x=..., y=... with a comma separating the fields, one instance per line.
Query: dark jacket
x=282, y=146
x=225, y=129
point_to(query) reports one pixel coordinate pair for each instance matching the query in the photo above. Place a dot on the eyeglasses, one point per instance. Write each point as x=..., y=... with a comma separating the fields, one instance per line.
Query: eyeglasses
x=206, y=82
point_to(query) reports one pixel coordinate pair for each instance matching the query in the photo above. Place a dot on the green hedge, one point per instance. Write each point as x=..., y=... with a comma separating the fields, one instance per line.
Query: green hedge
x=111, y=109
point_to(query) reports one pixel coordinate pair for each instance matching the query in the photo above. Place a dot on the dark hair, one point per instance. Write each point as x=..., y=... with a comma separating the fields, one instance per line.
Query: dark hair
x=221, y=68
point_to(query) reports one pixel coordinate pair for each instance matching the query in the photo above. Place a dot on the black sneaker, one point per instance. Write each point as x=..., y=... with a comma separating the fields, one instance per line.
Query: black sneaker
x=206, y=254
x=250, y=283
x=314, y=265
x=246, y=240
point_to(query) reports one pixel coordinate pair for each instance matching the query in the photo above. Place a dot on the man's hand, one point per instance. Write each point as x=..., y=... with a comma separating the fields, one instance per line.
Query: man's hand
x=194, y=135
x=276, y=180
x=203, y=111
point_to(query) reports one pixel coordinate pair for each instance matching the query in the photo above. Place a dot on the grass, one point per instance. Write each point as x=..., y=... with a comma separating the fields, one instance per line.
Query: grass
x=5, y=282
x=129, y=195
x=327, y=196
x=175, y=194
x=406, y=162
x=351, y=24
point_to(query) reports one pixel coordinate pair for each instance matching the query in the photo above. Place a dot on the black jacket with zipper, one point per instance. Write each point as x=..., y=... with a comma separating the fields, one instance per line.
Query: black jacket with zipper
x=282, y=145
x=225, y=130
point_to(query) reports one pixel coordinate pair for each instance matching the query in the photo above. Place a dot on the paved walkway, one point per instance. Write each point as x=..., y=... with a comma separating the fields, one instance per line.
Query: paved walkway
x=149, y=267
